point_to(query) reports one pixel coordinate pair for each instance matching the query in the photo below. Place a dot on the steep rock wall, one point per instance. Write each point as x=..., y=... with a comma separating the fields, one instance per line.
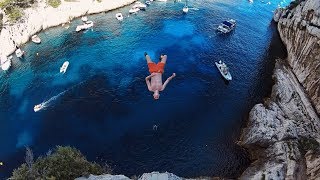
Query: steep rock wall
x=299, y=28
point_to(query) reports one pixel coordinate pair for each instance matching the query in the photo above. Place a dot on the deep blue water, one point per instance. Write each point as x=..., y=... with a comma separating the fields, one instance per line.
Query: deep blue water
x=102, y=106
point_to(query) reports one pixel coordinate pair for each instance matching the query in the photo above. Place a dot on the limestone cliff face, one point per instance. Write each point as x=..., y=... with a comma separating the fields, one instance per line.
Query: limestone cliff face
x=283, y=134
x=41, y=17
x=299, y=28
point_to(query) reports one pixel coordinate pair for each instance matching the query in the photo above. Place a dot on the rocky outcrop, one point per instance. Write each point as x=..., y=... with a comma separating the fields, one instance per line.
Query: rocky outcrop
x=299, y=28
x=145, y=176
x=41, y=17
x=283, y=134
x=281, y=131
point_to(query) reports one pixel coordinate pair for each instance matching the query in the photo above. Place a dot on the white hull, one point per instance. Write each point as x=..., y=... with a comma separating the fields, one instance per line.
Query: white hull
x=119, y=16
x=38, y=107
x=19, y=53
x=226, y=74
x=84, y=19
x=185, y=9
x=84, y=26
x=64, y=67
x=36, y=39
x=227, y=26
x=5, y=63
x=134, y=10
x=140, y=5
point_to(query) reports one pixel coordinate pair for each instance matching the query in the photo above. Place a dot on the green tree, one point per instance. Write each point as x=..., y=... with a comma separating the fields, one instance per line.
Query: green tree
x=63, y=163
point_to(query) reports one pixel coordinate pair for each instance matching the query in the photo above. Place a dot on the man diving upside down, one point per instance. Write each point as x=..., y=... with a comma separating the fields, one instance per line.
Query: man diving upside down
x=156, y=71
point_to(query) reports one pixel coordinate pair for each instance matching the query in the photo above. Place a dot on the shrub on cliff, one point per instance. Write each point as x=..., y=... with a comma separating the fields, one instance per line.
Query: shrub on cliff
x=54, y=3
x=63, y=163
x=13, y=8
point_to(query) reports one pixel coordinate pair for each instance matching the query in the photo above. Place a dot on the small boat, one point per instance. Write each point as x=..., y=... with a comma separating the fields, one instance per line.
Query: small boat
x=5, y=62
x=134, y=9
x=224, y=70
x=84, y=26
x=162, y=0
x=119, y=16
x=227, y=26
x=64, y=67
x=84, y=19
x=148, y=3
x=185, y=9
x=19, y=53
x=36, y=39
x=140, y=5
x=38, y=107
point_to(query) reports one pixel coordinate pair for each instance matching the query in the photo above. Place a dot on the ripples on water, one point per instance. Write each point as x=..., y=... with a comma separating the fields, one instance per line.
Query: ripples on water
x=106, y=110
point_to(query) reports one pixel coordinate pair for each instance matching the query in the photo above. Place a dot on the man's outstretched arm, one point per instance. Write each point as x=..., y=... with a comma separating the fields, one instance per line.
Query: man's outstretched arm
x=167, y=81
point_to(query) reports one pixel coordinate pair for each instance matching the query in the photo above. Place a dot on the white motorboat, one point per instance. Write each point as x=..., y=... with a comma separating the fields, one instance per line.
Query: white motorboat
x=5, y=62
x=38, y=107
x=140, y=5
x=84, y=18
x=64, y=67
x=134, y=9
x=119, y=16
x=19, y=53
x=36, y=39
x=227, y=26
x=84, y=26
x=185, y=9
x=148, y=3
x=224, y=70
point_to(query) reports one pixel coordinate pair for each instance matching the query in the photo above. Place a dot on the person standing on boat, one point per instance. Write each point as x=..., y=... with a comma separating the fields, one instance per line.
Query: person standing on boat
x=156, y=71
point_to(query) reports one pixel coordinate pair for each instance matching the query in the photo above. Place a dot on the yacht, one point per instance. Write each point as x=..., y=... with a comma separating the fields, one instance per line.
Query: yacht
x=84, y=26
x=36, y=39
x=141, y=5
x=224, y=70
x=5, y=62
x=185, y=9
x=227, y=26
x=134, y=9
x=119, y=16
x=84, y=19
x=19, y=53
x=38, y=107
x=64, y=67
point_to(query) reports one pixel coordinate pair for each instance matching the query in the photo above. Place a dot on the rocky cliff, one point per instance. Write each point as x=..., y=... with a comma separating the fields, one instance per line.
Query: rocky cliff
x=299, y=28
x=41, y=17
x=283, y=134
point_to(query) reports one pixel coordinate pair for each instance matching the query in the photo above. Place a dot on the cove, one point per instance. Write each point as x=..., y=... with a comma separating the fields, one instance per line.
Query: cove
x=102, y=105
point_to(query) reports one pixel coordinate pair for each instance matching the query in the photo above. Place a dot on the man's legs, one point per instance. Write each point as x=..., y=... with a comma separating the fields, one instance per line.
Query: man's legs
x=148, y=58
x=163, y=59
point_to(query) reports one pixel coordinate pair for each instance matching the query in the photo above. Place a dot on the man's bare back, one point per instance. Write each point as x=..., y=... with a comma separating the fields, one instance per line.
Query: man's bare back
x=156, y=71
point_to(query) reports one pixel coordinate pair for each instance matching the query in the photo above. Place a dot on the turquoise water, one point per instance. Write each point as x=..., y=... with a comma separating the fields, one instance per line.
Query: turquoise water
x=102, y=106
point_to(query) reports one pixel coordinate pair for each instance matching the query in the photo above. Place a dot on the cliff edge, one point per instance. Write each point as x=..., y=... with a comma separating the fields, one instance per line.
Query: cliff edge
x=282, y=134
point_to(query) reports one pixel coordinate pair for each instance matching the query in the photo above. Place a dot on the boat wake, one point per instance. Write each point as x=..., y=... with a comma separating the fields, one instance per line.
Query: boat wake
x=44, y=105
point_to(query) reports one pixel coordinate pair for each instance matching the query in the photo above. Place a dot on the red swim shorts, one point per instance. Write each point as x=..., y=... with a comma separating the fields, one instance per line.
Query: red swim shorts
x=156, y=68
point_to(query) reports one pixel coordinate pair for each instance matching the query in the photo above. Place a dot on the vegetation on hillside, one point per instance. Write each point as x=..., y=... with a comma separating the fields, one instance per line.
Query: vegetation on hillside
x=13, y=8
x=62, y=163
x=54, y=3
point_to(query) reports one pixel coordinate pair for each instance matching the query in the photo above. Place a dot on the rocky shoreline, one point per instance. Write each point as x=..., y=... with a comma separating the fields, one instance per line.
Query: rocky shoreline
x=282, y=134
x=41, y=17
